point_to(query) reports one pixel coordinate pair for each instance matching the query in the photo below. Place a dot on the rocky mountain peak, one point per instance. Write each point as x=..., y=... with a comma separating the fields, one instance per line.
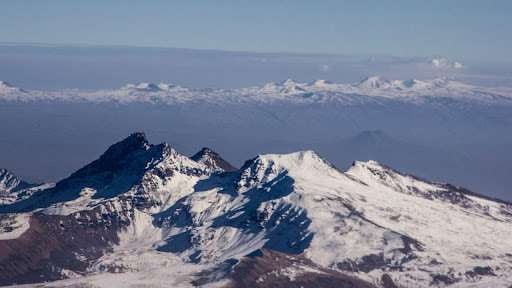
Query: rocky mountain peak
x=115, y=154
x=212, y=160
x=10, y=182
x=136, y=141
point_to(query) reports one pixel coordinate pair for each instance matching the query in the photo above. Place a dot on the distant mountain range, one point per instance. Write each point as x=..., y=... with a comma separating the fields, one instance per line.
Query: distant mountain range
x=147, y=215
x=369, y=90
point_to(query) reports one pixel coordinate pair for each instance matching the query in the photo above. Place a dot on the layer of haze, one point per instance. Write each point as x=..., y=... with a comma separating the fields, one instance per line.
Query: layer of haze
x=468, y=30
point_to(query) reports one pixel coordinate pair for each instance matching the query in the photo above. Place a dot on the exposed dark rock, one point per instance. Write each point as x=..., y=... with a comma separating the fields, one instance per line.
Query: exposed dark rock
x=387, y=281
x=53, y=242
x=480, y=271
x=438, y=279
x=274, y=269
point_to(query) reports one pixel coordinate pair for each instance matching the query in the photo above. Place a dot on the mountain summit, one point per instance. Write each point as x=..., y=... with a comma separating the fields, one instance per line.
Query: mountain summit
x=212, y=160
x=374, y=82
x=10, y=182
x=6, y=87
x=13, y=188
x=144, y=214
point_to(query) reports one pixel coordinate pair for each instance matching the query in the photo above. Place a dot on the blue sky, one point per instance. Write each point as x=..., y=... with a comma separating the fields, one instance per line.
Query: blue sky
x=464, y=29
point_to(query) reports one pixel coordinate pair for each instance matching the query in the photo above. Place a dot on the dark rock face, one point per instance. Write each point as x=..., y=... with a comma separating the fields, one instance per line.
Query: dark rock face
x=212, y=160
x=57, y=242
x=274, y=269
x=115, y=156
x=480, y=271
x=387, y=281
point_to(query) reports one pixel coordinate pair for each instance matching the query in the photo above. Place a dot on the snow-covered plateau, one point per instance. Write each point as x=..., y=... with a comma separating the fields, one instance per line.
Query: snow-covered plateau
x=147, y=215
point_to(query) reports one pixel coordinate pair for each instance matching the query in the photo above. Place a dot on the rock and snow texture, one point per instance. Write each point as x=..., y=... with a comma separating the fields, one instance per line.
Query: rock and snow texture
x=9, y=181
x=368, y=90
x=173, y=219
x=13, y=188
x=212, y=160
x=13, y=226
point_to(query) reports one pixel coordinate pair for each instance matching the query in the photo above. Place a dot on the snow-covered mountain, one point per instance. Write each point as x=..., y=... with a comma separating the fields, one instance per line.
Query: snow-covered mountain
x=10, y=182
x=144, y=214
x=369, y=90
x=6, y=88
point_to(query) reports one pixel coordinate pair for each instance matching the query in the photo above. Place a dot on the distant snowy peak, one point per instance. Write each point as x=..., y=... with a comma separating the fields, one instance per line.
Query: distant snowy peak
x=148, y=87
x=374, y=82
x=322, y=83
x=288, y=86
x=445, y=63
x=212, y=160
x=10, y=182
x=378, y=83
x=6, y=87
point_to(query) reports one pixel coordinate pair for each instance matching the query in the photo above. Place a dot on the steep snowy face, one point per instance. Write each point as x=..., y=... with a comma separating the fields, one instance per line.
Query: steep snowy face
x=212, y=160
x=232, y=215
